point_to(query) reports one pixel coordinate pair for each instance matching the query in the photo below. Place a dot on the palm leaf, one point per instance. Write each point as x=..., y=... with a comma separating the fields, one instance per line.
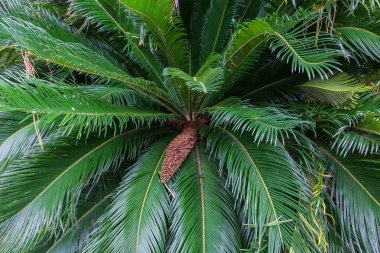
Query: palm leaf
x=249, y=9
x=289, y=43
x=269, y=124
x=21, y=139
x=165, y=28
x=357, y=194
x=217, y=26
x=207, y=80
x=33, y=206
x=335, y=90
x=136, y=220
x=203, y=212
x=69, y=106
x=361, y=43
x=266, y=179
x=74, y=52
x=91, y=205
x=113, y=16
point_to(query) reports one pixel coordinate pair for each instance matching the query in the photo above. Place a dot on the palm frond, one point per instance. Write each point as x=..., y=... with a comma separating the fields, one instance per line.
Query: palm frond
x=361, y=43
x=91, y=205
x=267, y=180
x=249, y=9
x=355, y=141
x=113, y=16
x=299, y=47
x=217, y=26
x=356, y=193
x=203, y=213
x=31, y=207
x=137, y=217
x=158, y=18
x=269, y=124
x=336, y=90
x=208, y=79
x=74, y=53
x=363, y=137
x=21, y=138
x=289, y=42
x=118, y=94
x=244, y=48
x=70, y=107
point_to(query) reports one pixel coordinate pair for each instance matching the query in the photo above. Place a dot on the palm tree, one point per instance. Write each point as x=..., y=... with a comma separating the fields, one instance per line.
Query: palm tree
x=189, y=126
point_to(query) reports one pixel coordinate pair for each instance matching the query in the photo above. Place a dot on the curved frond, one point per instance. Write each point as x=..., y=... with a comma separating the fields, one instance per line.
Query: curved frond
x=19, y=138
x=269, y=124
x=335, y=90
x=289, y=42
x=118, y=94
x=206, y=81
x=351, y=141
x=244, y=48
x=203, y=213
x=360, y=43
x=31, y=206
x=91, y=205
x=249, y=9
x=70, y=107
x=274, y=192
x=59, y=45
x=158, y=18
x=137, y=217
x=299, y=47
x=357, y=198
x=113, y=16
x=217, y=26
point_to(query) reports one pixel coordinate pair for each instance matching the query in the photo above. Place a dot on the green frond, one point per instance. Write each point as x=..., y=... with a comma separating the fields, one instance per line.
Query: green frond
x=350, y=141
x=8, y=58
x=203, y=213
x=269, y=124
x=363, y=137
x=70, y=107
x=361, y=43
x=113, y=16
x=277, y=89
x=208, y=79
x=20, y=138
x=158, y=18
x=44, y=42
x=137, y=218
x=356, y=192
x=91, y=205
x=289, y=42
x=298, y=47
x=249, y=9
x=244, y=48
x=336, y=90
x=31, y=207
x=217, y=26
x=274, y=192
x=118, y=94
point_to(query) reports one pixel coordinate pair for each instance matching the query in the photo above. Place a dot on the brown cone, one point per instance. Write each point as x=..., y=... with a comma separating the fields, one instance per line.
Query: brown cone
x=178, y=150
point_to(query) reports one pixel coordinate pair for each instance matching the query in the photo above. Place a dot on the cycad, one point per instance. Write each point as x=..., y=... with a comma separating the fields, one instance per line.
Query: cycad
x=189, y=126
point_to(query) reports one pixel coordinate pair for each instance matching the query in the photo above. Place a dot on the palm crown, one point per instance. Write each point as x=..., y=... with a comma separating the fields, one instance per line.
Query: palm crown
x=261, y=118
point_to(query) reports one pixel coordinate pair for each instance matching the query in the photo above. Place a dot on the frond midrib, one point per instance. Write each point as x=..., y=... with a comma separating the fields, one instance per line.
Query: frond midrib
x=245, y=151
x=351, y=175
x=72, y=166
x=145, y=198
x=134, y=45
x=75, y=225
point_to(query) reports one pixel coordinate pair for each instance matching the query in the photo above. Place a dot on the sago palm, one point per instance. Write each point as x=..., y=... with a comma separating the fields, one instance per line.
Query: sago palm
x=189, y=126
